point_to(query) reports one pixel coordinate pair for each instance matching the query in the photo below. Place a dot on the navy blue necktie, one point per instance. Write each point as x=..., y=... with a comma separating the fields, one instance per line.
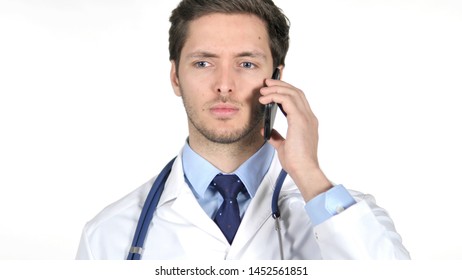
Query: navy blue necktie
x=227, y=217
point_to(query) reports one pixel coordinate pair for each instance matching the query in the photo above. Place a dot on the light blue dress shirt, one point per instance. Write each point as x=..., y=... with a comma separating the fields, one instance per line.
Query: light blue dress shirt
x=199, y=173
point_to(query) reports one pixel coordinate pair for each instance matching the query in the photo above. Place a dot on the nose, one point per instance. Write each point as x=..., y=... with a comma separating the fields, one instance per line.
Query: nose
x=225, y=82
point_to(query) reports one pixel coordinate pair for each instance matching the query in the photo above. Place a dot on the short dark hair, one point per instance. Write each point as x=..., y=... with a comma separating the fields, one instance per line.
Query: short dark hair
x=277, y=23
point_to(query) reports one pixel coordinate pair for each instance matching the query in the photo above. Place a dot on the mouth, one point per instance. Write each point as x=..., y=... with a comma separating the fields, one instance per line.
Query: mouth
x=224, y=111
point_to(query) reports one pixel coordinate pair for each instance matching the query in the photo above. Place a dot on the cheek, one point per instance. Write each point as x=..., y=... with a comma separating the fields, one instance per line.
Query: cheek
x=189, y=86
x=255, y=93
x=252, y=100
x=192, y=96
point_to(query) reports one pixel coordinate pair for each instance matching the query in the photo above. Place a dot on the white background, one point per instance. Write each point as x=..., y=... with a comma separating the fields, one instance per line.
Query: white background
x=87, y=113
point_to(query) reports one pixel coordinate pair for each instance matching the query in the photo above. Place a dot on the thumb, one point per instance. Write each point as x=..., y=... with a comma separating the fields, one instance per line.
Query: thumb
x=276, y=139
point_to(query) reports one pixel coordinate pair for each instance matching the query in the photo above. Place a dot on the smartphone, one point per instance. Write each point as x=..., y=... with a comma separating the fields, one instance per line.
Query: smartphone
x=270, y=110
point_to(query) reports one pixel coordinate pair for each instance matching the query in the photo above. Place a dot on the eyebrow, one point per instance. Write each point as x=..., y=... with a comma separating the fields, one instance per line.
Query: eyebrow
x=207, y=54
x=253, y=54
x=201, y=54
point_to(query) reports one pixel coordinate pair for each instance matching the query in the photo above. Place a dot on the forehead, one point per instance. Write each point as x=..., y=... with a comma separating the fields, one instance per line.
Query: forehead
x=221, y=33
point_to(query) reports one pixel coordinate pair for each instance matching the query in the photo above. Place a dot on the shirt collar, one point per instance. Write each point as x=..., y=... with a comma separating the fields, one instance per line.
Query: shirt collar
x=199, y=172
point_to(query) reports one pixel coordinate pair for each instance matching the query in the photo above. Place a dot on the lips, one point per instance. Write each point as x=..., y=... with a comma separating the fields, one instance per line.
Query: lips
x=224, y=110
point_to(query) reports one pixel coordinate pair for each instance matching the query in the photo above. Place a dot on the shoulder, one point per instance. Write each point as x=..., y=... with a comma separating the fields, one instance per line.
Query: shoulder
x=108, y=234
x=128, y=205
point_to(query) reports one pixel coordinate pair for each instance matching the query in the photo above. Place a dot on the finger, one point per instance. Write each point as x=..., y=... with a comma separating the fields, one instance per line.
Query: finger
x=286, y=103
x=270, y=94
x=289, y=98
x=280, y=88
x=277, y=94
x=272, y=82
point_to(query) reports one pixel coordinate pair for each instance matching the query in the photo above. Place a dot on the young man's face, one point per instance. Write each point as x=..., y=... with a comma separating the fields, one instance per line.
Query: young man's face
x=223, y=65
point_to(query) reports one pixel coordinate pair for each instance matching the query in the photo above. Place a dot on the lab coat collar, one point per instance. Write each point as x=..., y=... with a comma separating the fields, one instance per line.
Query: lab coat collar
x=174, y=182
x=181, y=196
x=178, y=193
x=258, y=212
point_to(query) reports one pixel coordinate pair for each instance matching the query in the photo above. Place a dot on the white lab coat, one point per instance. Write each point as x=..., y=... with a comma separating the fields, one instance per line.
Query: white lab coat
x=180, y=229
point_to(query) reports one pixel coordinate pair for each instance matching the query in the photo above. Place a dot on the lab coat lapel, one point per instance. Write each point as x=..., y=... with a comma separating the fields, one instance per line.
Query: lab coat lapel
x=185, y=204
x=258, y=212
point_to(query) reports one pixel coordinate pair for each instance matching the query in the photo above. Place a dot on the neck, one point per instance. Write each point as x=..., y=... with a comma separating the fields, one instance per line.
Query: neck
x=226, y=157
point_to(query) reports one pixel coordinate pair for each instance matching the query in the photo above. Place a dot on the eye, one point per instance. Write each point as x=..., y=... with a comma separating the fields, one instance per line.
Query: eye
x=247, y=64
x=201, y=64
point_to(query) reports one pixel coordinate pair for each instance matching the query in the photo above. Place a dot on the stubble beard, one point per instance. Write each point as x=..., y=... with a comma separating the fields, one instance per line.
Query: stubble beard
x=247, y=134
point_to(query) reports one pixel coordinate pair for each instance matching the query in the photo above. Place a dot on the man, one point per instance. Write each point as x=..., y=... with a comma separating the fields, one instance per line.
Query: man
x=223, y=53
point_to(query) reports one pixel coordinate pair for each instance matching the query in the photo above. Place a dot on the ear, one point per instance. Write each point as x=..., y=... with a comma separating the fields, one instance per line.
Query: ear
x=174, y=79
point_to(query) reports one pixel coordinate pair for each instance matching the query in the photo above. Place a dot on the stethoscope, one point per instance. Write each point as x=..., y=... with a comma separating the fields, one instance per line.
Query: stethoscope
x=152, y=200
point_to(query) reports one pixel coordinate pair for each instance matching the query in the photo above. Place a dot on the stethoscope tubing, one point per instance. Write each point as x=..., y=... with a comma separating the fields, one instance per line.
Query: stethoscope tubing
x=153, y=198
x=147, y=212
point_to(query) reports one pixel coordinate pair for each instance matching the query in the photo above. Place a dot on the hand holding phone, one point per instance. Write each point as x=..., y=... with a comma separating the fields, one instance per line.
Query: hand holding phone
x=270, y=110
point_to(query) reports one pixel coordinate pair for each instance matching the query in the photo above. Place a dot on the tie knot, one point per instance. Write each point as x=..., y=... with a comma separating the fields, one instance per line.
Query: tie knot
x=228, y=185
